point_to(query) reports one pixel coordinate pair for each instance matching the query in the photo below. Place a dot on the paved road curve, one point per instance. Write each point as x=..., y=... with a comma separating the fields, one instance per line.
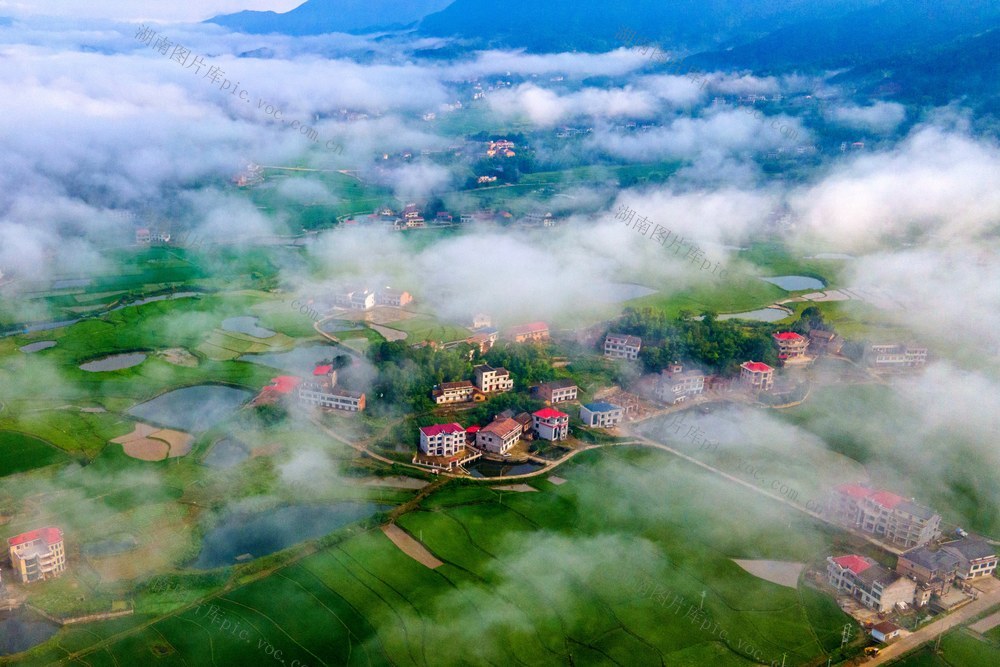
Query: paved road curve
x=930, y=632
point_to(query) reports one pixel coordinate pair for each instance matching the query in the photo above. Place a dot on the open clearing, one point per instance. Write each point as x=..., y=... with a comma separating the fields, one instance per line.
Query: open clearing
x=152, y=443
x=410, y=546
x=776, y=571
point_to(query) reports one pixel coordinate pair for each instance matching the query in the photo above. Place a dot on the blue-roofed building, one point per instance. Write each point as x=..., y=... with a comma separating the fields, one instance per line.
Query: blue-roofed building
x=601, y=415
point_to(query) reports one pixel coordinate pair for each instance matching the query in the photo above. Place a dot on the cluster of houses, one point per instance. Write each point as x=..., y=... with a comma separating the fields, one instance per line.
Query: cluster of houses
x=922, y=574
x=925, y=571
x=37, y=555
x=320, y=390
x=895, y=356
x=447, y=446
x=365, y=298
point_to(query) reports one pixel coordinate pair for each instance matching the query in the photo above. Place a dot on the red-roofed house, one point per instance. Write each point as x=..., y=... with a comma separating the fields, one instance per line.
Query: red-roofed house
x=874, y=586
x=280, y=386
x=756, y=376
x=442, y=439
x=529, y=332
x=550, y=424
x=442, y=446
x=884, y=514
x=321, y=389
x=285, y=384
x=38, y=554
x=791, y=346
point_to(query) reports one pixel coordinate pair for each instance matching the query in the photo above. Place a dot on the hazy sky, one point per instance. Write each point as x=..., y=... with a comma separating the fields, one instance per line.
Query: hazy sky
x=138, y=10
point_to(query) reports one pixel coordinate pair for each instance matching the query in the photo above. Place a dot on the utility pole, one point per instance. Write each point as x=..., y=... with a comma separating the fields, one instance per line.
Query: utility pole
x=702, y=605
x=845, y=634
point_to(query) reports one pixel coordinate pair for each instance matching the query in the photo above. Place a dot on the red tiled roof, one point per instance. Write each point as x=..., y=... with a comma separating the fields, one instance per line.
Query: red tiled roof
x=854, y=490
x=50, y=535
x=855, y=564
x=285, y=384
x=756, y=366
x=886, y=499
x=473, y=429
x=550, y=413
x=323, y=370
x=787, y=335
x=438, y=429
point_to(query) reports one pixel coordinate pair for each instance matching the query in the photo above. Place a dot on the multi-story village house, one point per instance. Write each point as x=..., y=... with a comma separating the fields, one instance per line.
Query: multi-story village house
x=622, y=346
x=556, y=391
x=550, y=424
x=756, y=376
x=322, y=390
x=490, y=380
x=896, y=520
x=676, y=384
x=38, y=554
x=499, y=436
x=874, y=586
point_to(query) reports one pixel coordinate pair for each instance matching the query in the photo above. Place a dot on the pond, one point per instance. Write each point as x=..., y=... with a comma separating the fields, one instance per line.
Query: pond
x=37, y=347
x=227, y=453
x=115, y=362
x=300, y=361
x=21, y=630
x=259, y=533
x=760, y=315
x=192, y=409
x=795, y=283
x=485, y=468
x=246, y=325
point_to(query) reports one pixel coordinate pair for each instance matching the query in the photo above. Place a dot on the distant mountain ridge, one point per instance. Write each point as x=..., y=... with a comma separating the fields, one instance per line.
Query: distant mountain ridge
x=317, y=17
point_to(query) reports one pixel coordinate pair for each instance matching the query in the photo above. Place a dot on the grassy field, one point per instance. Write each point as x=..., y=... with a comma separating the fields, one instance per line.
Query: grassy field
x=959, y=648
x=20, y=452
x=571, y=573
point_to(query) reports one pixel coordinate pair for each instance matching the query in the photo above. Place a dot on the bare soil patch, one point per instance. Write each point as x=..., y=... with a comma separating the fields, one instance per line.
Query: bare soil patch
x=410, y=546
x=778, y=572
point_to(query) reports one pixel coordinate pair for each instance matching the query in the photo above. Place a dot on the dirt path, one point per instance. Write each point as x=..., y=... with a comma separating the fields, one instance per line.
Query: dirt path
x=986, y=624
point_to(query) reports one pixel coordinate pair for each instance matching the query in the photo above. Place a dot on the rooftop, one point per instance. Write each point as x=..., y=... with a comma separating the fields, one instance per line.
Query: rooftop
x=756, y=366
x=877, y=574
x=885, y=627
x=325, y=369
x=931, y=560
x=558, y=384
x=601, y=406
x=49, y=535
x=502, y=427
x=856, y=564
x=533, y=327
x=437, y=429
x=972, y=548
x=886, y=499
x=284, y=384
x=788, y=335
x=550, y=413
x=633, y=341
